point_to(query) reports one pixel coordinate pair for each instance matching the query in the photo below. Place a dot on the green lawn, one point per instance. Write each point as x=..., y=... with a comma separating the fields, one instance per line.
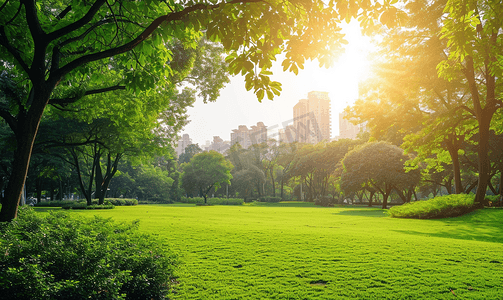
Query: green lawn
x=275, y=252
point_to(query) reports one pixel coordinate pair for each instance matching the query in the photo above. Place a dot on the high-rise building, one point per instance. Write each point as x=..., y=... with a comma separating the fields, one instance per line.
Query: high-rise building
x=246, y=137
x=182, y=144
x=348, y=130
x=311, y=118
x=219, y=145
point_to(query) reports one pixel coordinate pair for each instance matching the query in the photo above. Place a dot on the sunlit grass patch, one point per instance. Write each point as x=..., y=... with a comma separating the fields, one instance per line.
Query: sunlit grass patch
x=438, y=207
x=266, y=252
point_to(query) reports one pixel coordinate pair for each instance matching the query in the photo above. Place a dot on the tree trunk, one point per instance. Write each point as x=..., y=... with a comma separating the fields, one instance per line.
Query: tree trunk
x=484, y=163
x=27, y=127
x=273, y=184
x=110, y=172
x=282, y=192
x=371, y=198
x=98, y=177
x=453, y=147
x=501, y=183
x=38, y=187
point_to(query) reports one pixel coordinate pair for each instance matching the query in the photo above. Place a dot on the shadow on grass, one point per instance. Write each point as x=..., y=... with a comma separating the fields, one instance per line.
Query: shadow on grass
x=481, y=225
x=364, y=212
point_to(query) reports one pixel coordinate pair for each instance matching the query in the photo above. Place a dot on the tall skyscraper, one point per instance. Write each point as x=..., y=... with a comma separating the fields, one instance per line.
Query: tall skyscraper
x=182, y=144
x=311, y=118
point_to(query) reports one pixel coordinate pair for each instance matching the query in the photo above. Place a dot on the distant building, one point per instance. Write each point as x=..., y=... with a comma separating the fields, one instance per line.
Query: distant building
x=348, y=130
x=219, y=145
x=246, y=137
x=182, y=144
x=311, y=119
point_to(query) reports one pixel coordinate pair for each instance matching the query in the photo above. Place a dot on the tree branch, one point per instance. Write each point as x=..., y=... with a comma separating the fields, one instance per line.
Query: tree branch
x=11, y=121
x=94, y=26
x=15, y=15
x=13, y=51
x=64, y=12
x=63, y=101
x=78, y=24
x=176, y=16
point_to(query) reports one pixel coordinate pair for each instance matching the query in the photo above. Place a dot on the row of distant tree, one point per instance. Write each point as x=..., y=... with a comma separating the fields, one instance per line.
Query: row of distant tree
x=362, y=170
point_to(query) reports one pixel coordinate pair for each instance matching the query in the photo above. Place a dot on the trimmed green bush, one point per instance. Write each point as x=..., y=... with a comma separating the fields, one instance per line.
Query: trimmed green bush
x=438, y=207
x=269, y=199
x=213, y=201
x=85, y=206
x=61, y=203
x=61, y=256
x=121, y=201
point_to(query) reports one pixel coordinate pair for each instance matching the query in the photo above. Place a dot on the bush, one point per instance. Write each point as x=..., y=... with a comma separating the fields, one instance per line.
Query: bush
x=193, y=200
x=121, y=201
x=60, y=256
x=325, y=201
x=438, y=207
x=269, y=199
x=156, y=201
x=494, y=200
x=61, y=203
x=85, y=206
x=213, y=201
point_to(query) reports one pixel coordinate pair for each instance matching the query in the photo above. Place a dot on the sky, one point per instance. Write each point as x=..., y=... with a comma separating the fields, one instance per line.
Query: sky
x=236, y=106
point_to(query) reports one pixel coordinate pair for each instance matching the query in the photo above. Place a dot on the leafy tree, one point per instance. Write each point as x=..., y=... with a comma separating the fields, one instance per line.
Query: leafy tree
x=205, y=171
x=474, y=33
x=316, y=164
x=153, y=183
x=378, y=165
x=248, y=174
x=406, y=100
x=61, y=52
x=189, y=152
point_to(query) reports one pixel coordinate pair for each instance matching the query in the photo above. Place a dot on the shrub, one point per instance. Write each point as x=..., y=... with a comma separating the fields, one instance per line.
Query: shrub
x=438, y=207
x=85, y=206
x=269, y=199
x=225, y=201
x=61, y=203
x=121, y=201
x=193, y=200
x=213, y=201
x=494, y=200
x=156, y=201
x=325, y=201
x=60, y=256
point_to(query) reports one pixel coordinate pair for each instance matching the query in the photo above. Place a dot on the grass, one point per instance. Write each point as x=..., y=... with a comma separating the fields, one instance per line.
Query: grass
x=271, y=252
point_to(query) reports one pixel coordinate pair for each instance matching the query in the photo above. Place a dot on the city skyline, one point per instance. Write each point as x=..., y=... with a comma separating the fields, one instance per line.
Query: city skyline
x=236, y=106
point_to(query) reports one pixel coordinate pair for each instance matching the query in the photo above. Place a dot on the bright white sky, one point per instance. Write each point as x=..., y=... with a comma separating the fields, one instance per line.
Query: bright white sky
x=236, y=106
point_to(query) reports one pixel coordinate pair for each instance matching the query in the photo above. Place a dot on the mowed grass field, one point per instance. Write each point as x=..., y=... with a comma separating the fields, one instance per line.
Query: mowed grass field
x=281, y=252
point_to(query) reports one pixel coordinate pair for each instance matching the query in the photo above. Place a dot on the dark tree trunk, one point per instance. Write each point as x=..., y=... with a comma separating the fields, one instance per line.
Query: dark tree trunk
x=109, y=174
x=453, y=147
x=98, y=177
x=26, y=131
x=385, y=195
x=501, y=183
x=371, y=198
x=273, y=183
x=38, y=187
x=484, y=163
